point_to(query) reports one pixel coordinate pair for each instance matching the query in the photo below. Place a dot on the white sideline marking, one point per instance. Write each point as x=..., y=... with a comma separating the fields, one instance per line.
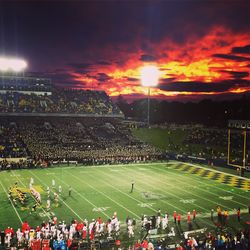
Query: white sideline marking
x=115, y=165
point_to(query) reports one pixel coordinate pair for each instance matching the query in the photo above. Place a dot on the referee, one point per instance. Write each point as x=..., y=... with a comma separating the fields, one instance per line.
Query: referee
x=132, y=186
x=70, y=190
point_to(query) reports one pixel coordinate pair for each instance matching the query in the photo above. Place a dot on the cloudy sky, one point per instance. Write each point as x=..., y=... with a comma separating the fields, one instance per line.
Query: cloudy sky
x=202, y=47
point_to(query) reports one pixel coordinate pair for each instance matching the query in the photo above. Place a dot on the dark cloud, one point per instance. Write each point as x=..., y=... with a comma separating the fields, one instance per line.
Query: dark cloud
x=81, y=71
x=147, y=58
x=188, y=98
x=104, y=63
x=79, y=65
x=167, y=80
x=237, y=74
x=232, y=57
x=64, y=79
x=217, y=87
x=241, y=50
x=59, y=70
x=102, y=77
x=132, y=79
x=86, y=37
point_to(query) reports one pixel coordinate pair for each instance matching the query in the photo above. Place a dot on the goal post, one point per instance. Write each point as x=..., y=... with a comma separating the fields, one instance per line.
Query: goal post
x=240, y=127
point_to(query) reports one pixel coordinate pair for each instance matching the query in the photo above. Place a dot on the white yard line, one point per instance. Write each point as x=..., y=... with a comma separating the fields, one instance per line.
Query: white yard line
x=59, y=198
x=119, y=204
x=177, y=187
x=203, y=190
x=131, y=197
x=80, y=195
x=11, y=203
x=172, y=205
x=169, y=193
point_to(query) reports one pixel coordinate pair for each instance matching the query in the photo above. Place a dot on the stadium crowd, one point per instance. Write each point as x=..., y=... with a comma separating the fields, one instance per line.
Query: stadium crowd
x=63, y=101
x=208, y=144
x=11, y=145
x=89, y=141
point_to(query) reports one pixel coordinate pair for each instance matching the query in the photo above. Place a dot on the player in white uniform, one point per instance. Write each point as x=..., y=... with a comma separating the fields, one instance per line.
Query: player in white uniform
x=48, y=191
x=165, y=222
x=130, y=231
x=117, y=228
x=19, y=235
x=48, y=205
x=158, y=222
x=60, y=190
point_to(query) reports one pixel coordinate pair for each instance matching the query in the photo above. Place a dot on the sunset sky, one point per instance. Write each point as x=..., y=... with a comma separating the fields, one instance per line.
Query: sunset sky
x=202, y=48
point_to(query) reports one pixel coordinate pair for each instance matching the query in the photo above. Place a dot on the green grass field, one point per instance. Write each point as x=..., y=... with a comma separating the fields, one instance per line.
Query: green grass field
x=102, y=190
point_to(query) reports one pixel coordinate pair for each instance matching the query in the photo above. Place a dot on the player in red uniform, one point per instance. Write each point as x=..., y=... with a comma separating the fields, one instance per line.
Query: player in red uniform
x=179, y=219
x=194, y=215
x=188, y=218
x=175, y=215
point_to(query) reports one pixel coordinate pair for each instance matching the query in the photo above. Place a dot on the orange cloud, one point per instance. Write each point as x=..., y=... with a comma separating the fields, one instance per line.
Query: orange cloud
x=208, y=60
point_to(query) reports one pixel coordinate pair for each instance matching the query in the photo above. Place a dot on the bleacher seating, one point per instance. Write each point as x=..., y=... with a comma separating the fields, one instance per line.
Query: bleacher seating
x=86, y=140
x=60, y=101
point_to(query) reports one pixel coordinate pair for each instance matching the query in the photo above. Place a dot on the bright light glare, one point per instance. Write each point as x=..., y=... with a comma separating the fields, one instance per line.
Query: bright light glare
x=10, y=64
x=149, y=76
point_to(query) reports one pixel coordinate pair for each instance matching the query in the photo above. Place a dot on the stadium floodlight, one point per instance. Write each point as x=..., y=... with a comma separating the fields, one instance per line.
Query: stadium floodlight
x=12, y=64
x=3, y=64
x=150, y=75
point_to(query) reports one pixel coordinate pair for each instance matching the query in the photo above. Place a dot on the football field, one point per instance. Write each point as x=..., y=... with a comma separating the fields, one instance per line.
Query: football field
x=103, y=190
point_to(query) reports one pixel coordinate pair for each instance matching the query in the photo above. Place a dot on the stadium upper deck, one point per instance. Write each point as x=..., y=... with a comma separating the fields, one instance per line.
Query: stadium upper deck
x=30, y=96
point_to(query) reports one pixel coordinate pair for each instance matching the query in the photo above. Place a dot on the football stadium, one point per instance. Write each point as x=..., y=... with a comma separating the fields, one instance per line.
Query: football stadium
x=78, y=174
x=121, y=132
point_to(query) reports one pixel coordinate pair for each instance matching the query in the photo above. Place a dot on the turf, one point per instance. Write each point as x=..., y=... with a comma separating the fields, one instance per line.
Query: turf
x=103, y=190
x=161, y=138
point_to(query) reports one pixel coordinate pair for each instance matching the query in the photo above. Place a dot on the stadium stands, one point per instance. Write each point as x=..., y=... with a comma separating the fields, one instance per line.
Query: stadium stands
x=60, y=101
x=64, y=125
x=11, y=144
x=86, y=140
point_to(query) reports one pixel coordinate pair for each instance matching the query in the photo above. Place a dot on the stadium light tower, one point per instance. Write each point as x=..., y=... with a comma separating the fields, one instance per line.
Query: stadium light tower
x=149, y=78
x=12, y=64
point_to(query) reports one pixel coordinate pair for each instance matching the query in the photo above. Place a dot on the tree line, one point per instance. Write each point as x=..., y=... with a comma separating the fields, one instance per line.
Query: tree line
x=208, y=112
